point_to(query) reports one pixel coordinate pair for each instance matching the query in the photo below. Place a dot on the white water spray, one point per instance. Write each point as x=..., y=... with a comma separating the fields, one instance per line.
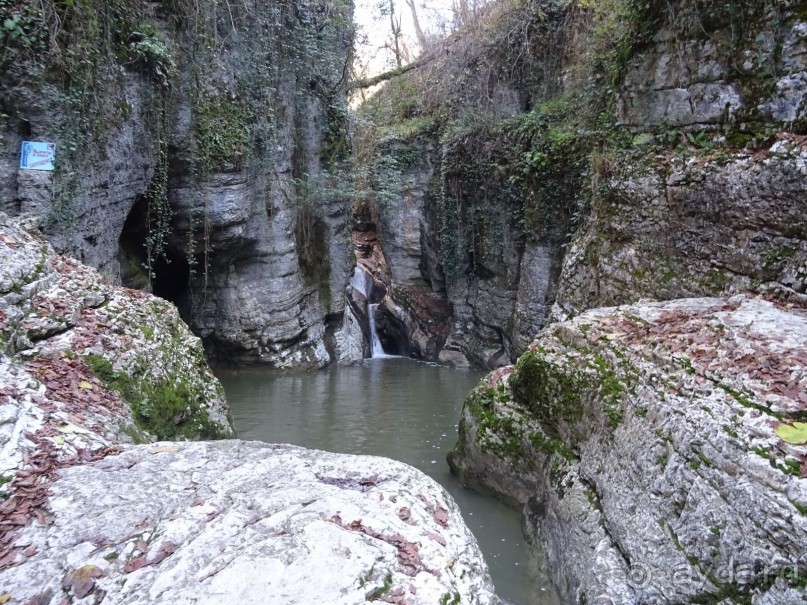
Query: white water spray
x=376, y=350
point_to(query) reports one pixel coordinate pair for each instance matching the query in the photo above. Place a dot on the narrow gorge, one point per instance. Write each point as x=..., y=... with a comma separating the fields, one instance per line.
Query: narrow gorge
x=602, y=203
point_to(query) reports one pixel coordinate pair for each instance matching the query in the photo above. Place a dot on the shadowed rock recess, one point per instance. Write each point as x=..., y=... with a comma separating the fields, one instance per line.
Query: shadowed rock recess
x=198, y=150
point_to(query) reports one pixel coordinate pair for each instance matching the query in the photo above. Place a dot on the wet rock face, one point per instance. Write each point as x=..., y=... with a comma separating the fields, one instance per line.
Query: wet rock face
x=238, y=521
x=641, y=440
x=485, y=317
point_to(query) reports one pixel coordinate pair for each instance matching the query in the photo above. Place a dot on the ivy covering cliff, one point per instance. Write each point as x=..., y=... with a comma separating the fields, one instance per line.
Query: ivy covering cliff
x=191, y=138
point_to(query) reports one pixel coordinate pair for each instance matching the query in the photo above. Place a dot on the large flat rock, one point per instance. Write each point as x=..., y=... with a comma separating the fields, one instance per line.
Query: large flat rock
x=247, y=522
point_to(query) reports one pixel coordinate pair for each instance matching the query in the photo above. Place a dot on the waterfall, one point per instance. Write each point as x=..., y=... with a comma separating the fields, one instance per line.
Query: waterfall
x=376, y=350
x=362, y=282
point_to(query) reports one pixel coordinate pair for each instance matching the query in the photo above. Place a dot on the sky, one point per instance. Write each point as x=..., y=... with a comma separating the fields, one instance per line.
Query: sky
x=374, y=29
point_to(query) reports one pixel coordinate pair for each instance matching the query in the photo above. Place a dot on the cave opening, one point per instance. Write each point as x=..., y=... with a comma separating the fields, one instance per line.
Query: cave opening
x=171, y=272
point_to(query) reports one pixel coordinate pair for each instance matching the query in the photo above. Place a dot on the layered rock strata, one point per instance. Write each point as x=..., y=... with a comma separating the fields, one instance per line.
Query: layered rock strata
x=198, y=154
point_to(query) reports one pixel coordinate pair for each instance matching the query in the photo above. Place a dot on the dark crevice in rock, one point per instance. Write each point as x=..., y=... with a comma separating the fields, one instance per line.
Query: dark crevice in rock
x=392, y=333
x=171, y=271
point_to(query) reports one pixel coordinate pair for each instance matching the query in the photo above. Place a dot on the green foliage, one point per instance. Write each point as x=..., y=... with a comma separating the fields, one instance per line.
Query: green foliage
x=555, y=169
x=477, y=204
x=544, y=444
x=222, y=133
x=78, y=47
x=335, y=144
x=22, y=30
x=498, y=434
x=150, y=50
x=159, y=213
x=449, y=599
x=379, y=592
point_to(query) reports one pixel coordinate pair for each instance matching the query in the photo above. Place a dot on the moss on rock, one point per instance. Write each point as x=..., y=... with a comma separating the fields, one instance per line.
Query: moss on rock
x=167, y=408
x=550, y=392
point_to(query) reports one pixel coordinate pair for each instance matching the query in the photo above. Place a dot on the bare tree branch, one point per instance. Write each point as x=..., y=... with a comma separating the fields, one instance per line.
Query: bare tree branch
x=393, y=73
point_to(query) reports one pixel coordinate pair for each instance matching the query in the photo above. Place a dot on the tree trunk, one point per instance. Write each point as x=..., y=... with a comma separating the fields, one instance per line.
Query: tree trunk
x=418, y=31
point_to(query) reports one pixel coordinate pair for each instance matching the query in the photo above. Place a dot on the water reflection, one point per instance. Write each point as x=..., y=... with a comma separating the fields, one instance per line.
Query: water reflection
x=387, y=407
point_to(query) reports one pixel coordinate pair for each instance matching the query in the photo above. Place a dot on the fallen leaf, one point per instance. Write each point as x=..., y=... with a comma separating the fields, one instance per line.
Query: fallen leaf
x=82, y=580
x=167, y=548
x=85, y=385
x=404, y=513
x=795, y=433
x=441, y=516
x=135, y=564
x=5, y=598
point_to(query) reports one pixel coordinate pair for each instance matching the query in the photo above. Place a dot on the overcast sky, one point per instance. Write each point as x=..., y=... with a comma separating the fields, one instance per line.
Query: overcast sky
x=374, y=29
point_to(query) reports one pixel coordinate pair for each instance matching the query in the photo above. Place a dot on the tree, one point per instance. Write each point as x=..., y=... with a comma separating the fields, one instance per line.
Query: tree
x=416, y=22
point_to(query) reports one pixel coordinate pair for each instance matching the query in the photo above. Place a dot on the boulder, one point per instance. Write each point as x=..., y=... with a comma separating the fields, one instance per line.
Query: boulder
x=248, y=522
x=644, y=442
x=118, y=362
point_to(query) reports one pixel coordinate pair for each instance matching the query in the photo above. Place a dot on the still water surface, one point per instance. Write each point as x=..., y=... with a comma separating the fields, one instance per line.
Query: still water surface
x=397, y=408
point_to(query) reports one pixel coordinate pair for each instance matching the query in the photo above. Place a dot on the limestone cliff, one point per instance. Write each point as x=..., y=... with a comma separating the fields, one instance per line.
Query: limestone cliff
x=194, y=143
x=725, y=212
x=587, y=154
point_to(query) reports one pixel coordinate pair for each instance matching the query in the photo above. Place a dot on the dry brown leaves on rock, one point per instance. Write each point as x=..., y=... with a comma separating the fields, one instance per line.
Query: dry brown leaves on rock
x=716, y=352
x=72, y=383
x=408, y=554
x=29, y=493
x=82, y=580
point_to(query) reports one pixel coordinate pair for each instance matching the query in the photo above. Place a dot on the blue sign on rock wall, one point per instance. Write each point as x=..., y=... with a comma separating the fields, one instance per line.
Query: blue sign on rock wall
x=37, y=156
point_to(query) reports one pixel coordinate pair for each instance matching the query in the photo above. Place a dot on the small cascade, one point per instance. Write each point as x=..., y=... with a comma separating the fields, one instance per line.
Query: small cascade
x=376, y=350
x=362, y=282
